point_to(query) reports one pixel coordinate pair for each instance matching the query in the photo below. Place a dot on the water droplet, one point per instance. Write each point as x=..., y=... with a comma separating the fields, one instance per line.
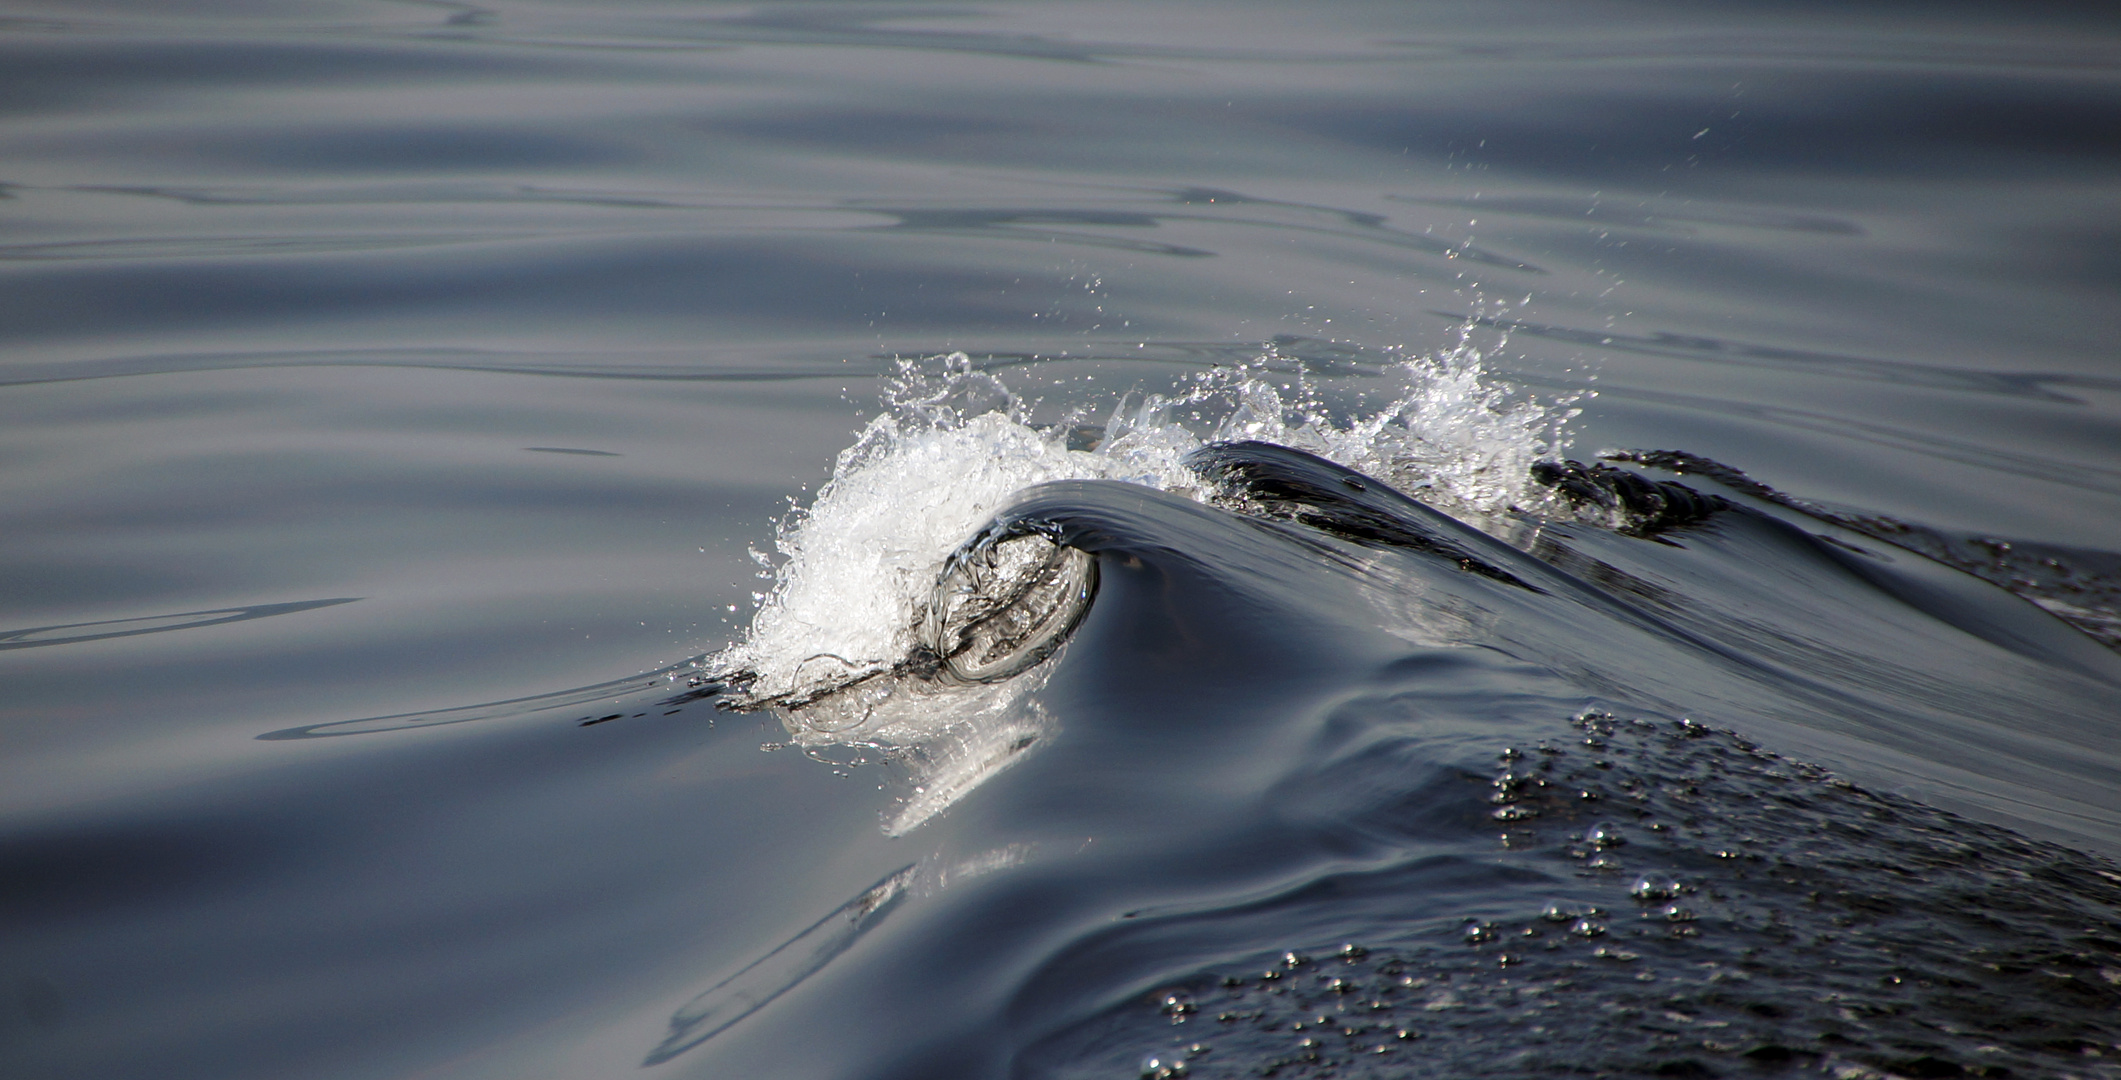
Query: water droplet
x=1606, y=835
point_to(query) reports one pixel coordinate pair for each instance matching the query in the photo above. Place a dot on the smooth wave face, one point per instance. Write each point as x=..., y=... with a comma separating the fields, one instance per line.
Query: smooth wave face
x=544, y=541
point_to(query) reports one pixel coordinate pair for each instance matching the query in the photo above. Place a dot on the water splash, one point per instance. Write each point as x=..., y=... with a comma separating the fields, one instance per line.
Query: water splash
x=837, y=647
x=1444, y=433
x=859, y=564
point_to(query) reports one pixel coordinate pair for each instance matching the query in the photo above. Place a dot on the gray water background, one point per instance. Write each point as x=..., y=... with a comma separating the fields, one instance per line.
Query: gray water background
x=368, y=359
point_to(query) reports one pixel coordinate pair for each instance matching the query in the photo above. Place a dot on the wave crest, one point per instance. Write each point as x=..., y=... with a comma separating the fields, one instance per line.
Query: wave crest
x=841, y=646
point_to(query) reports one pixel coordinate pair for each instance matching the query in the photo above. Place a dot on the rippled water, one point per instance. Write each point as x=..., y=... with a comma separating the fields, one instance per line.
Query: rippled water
x=441, y=444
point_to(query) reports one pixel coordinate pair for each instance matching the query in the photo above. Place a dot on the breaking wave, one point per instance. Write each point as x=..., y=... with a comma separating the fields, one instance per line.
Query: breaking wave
x=881, y=585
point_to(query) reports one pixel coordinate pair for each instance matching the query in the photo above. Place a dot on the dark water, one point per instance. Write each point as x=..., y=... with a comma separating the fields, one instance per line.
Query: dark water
x=367, y=363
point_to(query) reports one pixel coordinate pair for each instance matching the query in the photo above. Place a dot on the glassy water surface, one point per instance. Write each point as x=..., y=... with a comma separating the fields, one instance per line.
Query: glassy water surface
x=1049, y=539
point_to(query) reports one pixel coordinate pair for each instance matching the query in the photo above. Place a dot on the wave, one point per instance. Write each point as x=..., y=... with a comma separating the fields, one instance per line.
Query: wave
x=901, y=605
x=1436, y=801
x=1271, y=646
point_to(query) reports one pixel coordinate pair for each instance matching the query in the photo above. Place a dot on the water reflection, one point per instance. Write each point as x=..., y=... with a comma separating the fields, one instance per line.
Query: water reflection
x=1645, y=214
x=104, y=629
x=716, y=1009
x=1717, y=350
x=1202, y=205
x=654, y=367
x=635, y=697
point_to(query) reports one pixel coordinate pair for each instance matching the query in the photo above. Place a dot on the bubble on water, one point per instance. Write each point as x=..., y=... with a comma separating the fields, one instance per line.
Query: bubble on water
x=1163, y=1066
x=1652, y=889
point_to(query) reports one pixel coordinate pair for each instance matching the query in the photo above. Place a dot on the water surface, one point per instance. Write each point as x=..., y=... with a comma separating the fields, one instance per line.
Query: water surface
x=388, y=389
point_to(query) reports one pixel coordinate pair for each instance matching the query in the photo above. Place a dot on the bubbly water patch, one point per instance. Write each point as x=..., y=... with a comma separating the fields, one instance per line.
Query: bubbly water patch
x=1685, y=904
x=884, y=629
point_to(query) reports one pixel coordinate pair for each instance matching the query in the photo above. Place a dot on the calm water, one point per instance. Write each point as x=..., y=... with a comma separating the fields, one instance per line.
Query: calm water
x=393, y=397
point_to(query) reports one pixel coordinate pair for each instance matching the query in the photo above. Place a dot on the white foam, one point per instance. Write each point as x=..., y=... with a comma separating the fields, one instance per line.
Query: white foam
x=954, y=445
x=862, y=559
x=1445, y=434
